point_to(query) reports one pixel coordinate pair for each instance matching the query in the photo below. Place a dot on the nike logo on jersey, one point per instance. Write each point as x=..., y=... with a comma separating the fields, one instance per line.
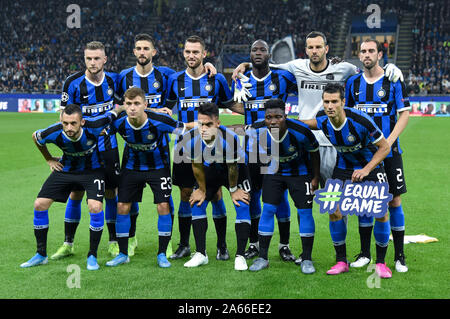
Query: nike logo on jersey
x=357, y=93
x=182, y=89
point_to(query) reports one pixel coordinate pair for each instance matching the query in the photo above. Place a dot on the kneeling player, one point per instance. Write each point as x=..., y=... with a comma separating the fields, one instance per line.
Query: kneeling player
x=296, y=146
x=215, y=153
x=80, y=167
x=145, y=161
x=361, y=147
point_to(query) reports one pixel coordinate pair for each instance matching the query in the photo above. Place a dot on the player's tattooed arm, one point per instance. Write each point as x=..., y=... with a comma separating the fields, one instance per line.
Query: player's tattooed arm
x=237, y=108
x=381, y=153
x=402, y=121
x=237, y=194
x=53, y=162
x=312, y=124
x=199, y=195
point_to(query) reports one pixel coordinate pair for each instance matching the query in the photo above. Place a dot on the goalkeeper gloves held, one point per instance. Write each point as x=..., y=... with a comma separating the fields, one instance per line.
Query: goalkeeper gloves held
x=241, y=86
x=393, y=73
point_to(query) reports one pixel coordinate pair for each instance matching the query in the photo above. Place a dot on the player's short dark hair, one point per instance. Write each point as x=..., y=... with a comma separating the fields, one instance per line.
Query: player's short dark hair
x=275, y=104
x=72, y=109
x=334, y=88
x=95, y=45
x=196, y=39
x=133, y=92
x=378, y=44
x=315, y=34
x=209, y=109
x=144, y=37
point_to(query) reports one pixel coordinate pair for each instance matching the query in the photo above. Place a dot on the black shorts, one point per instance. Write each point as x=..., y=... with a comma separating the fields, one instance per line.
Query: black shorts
x=216, y=178
x=183, y=176
x=376, y=175
x=299, y=187
x=256, y=176
x=394, y=171
x=111, y=163
x=59, y=185
x=132, y=184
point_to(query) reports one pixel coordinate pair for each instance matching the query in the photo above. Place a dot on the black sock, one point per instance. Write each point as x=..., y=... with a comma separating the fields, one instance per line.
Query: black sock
x=242, y=234
x=264, y=243
x=221, y=230
x=398, y=237
x=163, y=242
x=365, y=235
x=285, y=230
x=381, y=254
x=341, y=252
x=69, y=231
x=94, y=241
x=123, y=244
x=41, y=241
x=307, y=245
x=112, y=231
x=254, y=230
x=133, y=219
x=184, y=225
x=199, y=228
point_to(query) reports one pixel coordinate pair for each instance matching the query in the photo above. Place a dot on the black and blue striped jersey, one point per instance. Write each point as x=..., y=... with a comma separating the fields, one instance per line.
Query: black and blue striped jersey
x=225, y=148
x=354, y=140
x=93, y=99
x=276, y=84
x=287, y=155
x=187, y=93
x=381, y=100
x=146, y=147
x=154, y=84
x=81, y=154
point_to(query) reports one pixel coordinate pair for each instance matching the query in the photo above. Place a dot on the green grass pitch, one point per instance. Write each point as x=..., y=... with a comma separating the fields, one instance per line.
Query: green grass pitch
x=23, y=170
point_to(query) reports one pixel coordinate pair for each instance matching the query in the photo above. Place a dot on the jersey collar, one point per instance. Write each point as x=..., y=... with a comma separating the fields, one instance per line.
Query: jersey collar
x=372, y=82
x=101, y=82
x=72, y=140
x=137, y=128
x=262, y=79
x=144, y=75
x=340, y=127
x=197, y=78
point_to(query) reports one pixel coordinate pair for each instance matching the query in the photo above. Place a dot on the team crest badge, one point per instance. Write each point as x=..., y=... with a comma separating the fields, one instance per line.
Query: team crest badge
x=351, y=138
x=156, y=85
x=272, y=87
x=150, y=136
x=381, y=93
x=89, y=142
x=208, y=87
x=110, y=92
x=291, y=148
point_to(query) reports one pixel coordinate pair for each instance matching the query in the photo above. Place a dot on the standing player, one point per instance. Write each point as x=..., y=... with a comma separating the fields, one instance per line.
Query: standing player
x=93, y=90
x=81, y=167
x=217, y=160
x=372, y=93
x=146, y=161
x=266, y=84
x=297, y=167
x=361, y=148
x=189, y=89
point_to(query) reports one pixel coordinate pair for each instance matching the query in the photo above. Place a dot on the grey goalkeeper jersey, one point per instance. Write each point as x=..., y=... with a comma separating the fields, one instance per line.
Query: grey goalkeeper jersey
x=310, y=85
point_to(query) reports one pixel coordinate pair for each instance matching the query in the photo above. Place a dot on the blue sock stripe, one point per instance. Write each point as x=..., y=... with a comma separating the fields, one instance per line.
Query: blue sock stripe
x=164, y=225
x=283, y=209
x=397, y=218
x=242, y=212
x=199, y=211
x=255, y=204
x=185, y=209
x=97, y=221
x=266, y=222
x=307, y=226
x=73, y=211
x=381, y=233
x=123, y=224
x=338, y=231
x=218, y=209
x=40, y=220
x=365, y=221
x=111, y=209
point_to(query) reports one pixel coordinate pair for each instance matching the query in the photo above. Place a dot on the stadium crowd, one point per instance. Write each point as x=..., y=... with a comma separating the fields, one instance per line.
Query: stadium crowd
x=36, y=56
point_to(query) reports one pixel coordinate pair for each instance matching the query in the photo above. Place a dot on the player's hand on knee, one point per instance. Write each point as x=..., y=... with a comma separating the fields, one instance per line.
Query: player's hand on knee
x=240, y=196
x=359, y=174
x=211, y=69
x=315, y=184
x=55, y=165
x=198, y=196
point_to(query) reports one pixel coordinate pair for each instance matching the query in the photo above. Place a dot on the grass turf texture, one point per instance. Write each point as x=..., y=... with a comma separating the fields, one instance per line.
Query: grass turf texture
x=23, y=170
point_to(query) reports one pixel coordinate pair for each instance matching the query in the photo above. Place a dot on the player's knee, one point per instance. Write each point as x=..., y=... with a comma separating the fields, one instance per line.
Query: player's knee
x=123, y=208
x=41, y=204
x=185, y=194
x=163, y=208
x=336, y=216
x=95, y=206
x=76, y=195
x=396, y=201
x=383, y=219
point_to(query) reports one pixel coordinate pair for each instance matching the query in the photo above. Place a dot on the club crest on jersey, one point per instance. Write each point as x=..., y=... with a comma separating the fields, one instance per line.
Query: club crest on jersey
x=89, y=142
x=351, y=138
x=150, y=136
x=272, y=87
x=381, y=93
x=156, y=85
x=208, y=87
x=110, y=92
x=291, y=148
x=64, y=97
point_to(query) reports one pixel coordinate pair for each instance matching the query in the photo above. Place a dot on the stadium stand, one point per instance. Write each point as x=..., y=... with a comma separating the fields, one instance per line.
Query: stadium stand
x=38, y=51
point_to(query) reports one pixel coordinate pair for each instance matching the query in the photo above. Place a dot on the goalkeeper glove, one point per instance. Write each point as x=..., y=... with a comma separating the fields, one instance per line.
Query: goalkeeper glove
x=393, y=73
x=241, y=87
